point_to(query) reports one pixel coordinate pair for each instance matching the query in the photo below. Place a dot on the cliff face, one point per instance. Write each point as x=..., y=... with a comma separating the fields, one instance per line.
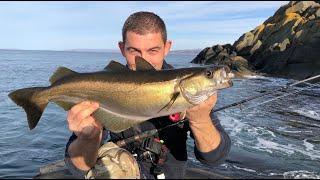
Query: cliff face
x=287, y=44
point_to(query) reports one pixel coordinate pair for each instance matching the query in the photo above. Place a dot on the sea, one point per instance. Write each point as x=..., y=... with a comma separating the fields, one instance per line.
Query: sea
x=275, y=136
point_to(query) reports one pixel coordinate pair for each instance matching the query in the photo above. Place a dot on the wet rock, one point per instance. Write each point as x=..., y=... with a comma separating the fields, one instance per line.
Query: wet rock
x=224, y=55
x=318, y=13
x=286, y=44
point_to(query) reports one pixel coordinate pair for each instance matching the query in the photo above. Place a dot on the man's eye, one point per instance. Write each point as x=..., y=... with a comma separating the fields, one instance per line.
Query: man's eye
x=153, y=51
x=133, y=51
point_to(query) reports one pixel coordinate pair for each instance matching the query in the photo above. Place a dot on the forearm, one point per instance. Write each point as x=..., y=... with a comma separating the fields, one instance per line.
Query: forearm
x=83, y=153
x=206, y=135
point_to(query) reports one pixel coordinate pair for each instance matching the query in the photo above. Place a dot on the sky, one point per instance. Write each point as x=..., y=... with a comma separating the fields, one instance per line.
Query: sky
x=97, y=24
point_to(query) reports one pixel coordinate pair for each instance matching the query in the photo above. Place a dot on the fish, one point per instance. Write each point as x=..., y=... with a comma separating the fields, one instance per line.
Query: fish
x=126, y=97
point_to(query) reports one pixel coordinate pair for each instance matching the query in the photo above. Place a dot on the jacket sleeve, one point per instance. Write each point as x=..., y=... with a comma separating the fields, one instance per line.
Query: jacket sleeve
x=71, y=139
x=218, y=155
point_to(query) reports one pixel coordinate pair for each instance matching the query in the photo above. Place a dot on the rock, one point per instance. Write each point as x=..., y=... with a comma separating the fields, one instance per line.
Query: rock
x=299, y=6
x=283, y=46
x=255, y=47
x=318, y=13
x=287, y=44
x=291, y=37
x=244, y=41
x=224, y=55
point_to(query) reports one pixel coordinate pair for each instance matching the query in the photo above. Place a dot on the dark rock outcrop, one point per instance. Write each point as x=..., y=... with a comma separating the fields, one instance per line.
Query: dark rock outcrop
x=223, y=55
x=286, y=44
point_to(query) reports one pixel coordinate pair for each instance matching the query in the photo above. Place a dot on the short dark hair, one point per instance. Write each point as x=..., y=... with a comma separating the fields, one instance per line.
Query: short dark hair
x=144, y=22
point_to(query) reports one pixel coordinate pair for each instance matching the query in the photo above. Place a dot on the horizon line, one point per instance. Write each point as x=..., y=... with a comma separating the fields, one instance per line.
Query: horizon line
x=89, y=50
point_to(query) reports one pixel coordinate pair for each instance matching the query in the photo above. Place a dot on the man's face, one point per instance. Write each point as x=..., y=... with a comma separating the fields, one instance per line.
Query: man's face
x=149, y=46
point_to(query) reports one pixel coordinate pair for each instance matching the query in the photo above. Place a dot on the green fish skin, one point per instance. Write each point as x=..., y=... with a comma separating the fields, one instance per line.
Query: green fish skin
x=126, y=97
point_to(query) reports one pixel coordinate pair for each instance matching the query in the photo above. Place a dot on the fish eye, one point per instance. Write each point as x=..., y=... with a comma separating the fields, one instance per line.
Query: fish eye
x=209, y=74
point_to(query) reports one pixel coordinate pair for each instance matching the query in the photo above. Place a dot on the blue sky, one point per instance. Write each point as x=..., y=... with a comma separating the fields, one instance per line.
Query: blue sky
x=97, y=25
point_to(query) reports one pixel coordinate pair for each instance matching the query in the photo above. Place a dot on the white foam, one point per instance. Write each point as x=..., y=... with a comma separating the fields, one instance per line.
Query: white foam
x=309, y=146
x=237, y=128
x=270, y=147
x=308, y=113
x=232, y=124
x=260, y=138
x=245, y=169
x=301, y=174
x=255, y=76
x=287, y=131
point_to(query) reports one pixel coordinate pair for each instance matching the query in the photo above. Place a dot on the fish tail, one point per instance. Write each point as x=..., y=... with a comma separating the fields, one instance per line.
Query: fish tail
x=32, y=104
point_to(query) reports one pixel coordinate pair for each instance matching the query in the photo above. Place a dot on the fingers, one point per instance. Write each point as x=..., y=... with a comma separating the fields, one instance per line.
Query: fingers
x=212, y=99
x=88, y=128
x=86, y=111
x=207, y=105
x=80, y=119
x=78, y=107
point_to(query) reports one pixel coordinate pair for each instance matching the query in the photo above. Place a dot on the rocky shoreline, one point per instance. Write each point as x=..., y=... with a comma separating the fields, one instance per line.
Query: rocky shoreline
x=285, y=45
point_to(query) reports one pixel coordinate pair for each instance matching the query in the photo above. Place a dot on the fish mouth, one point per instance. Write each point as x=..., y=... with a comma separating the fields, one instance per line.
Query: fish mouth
x=222, y=83
x=226, y=77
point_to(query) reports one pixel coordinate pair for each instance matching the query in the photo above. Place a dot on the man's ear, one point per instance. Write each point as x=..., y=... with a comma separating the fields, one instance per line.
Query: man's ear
x=167, y=47
x=121, y=47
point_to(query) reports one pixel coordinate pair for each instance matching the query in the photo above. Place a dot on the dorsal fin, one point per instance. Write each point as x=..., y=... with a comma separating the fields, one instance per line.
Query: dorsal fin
x=60, y=73
x=142, y=64
x=115, y=66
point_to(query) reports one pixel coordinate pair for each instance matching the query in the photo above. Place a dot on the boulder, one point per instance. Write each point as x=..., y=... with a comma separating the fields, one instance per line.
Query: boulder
x=224, y=55
x=286, y=44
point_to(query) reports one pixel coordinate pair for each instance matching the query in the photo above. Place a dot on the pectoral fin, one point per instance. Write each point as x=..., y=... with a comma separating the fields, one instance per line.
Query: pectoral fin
x=170, y=103
x=183, y=115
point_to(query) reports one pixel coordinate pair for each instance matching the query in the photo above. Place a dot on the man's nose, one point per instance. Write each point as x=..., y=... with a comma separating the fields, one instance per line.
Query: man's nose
x=144, y=55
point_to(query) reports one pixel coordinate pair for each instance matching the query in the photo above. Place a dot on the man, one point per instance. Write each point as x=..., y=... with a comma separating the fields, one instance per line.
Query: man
x=144, y=34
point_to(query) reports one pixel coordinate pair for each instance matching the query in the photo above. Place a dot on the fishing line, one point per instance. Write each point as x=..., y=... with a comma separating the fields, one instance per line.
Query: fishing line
x=285, y=95
x=266, y=93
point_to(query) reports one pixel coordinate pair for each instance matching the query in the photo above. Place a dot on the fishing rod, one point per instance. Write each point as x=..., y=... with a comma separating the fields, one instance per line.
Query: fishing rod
x=146, y=134
x=266, y=93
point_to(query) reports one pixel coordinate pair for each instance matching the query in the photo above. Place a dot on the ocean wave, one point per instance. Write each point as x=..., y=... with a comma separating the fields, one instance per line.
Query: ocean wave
x=255, y=77
x=262, y=139
x=308, y=113
x=245, y=169
x=309, y=146
x=236, y=127
x=306, y=149
x=301, y=174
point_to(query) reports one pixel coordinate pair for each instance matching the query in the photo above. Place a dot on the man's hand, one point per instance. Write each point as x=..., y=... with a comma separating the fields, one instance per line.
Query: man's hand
x=84, y=150
x=207, y=137
x=198, y=114
x=82, y=123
